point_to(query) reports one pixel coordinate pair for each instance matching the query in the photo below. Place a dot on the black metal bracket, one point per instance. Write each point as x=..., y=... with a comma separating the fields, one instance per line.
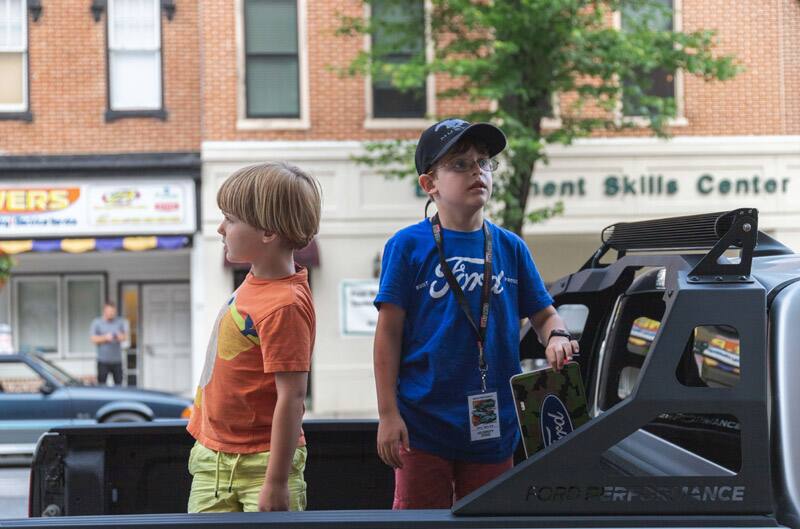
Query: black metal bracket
x=98, y=7
x=742, y=233
x=168, y=6
x=594, y=260
x=35, y=9
x=696, y=279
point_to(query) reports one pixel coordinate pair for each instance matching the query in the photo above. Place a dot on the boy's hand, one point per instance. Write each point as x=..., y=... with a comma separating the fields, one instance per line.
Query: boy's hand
x=392, y=437
x=560, y=350
x=273, y=497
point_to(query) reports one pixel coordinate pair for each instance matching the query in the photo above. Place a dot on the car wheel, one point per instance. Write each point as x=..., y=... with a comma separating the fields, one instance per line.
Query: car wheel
x=124, y=416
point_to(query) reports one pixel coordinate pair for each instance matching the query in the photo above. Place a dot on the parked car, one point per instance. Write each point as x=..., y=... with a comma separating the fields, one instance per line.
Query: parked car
x=36, y=395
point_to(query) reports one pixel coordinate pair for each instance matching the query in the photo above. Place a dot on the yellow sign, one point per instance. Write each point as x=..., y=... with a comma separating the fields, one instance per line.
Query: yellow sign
x=22, y=201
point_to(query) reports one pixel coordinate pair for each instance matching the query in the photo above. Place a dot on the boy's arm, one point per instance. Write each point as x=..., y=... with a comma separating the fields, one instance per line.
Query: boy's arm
x=286, y=424
x=559, y=350
x=392, y=432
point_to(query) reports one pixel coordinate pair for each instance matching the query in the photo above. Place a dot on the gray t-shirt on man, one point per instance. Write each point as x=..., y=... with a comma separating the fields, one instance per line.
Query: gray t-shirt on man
x=109, y=352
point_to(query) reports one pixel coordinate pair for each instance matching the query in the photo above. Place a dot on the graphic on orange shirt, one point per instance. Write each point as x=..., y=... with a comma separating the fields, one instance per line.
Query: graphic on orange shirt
x=237, y=333
x=233, y=334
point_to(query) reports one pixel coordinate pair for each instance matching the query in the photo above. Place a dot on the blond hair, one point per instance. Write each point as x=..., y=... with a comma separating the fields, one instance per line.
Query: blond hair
x=275, y=197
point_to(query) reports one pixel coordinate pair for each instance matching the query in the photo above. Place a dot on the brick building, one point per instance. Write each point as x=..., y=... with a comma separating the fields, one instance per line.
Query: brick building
x=249, y=80
x=100, y=105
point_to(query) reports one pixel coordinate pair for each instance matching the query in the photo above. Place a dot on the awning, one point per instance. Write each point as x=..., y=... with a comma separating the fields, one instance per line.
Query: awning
x=97, y=244
x=307, y=257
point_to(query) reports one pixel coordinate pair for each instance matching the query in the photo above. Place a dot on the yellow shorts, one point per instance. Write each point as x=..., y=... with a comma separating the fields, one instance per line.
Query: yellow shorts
x=224, y=482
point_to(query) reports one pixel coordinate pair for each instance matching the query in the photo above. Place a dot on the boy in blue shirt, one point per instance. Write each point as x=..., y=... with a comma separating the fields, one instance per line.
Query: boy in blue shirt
x=453, y=289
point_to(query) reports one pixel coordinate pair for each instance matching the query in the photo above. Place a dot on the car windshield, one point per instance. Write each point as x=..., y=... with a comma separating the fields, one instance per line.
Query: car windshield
x=58, y=373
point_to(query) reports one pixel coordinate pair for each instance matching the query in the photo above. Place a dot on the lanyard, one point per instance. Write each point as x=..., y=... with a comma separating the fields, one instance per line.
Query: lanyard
x=480, y=330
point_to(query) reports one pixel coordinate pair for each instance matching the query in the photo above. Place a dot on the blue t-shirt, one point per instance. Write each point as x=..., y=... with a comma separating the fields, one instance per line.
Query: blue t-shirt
x=439, y=358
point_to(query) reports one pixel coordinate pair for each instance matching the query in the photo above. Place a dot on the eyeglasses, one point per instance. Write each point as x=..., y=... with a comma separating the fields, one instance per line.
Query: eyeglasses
x=464, y=165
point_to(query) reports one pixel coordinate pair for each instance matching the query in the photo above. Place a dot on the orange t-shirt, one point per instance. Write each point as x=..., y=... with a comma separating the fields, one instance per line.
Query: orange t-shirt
x=266, y=327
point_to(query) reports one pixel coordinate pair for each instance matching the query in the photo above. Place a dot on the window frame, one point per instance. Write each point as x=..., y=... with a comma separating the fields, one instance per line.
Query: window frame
x=64, y=349
x=62, y=303
x=680, y=108
x=376, y=123
x=21, y=111
x=245, y=122
x=15, y=317
x=113, y=114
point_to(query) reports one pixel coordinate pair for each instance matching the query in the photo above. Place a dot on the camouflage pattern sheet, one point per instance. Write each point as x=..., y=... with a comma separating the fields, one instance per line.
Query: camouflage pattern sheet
x=549, y=405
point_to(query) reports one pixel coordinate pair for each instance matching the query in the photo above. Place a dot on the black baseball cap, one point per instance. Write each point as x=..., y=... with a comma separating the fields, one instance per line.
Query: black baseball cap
x=440, y=138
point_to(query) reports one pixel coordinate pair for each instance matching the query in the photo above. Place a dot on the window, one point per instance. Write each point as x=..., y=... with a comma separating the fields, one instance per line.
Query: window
x=13, y=56
x=388, y=101
x=134, y=55
x=657, y=82
x=712, y=358
x=18, y=377
x=635, y=327
x=53, y=314
x=36, y=316
x=272, y=61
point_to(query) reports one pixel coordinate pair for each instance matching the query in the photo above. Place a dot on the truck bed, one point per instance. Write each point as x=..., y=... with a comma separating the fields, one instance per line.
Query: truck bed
x=387, y=519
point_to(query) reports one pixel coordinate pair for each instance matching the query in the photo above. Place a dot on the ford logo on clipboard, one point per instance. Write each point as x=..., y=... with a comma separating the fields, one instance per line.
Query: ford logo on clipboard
x=554, y=420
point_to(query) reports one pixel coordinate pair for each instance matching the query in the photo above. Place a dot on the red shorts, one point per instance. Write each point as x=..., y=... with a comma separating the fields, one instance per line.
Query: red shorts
x=427, y=481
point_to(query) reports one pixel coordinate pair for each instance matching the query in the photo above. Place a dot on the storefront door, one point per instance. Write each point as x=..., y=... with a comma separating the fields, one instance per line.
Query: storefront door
x=166, y=338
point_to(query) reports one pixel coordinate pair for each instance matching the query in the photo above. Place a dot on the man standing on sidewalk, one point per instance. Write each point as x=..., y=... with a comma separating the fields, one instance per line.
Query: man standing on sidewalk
x=108, y=332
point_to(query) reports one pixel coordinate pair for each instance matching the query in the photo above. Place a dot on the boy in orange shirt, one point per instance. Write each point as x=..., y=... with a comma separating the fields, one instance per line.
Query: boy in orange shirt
x=250, y=451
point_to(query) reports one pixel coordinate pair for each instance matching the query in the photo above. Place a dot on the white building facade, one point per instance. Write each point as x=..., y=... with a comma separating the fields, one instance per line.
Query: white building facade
x=601, y=181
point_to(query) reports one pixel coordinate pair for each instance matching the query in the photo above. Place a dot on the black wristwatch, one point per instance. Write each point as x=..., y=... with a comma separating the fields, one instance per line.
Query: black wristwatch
x=560, y=332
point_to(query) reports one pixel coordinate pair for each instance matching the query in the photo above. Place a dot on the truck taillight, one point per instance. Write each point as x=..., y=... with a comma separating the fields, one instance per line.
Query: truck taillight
x=186, y=413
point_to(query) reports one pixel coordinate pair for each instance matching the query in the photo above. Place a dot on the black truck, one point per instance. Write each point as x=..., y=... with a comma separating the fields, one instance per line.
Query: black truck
x=689, y=338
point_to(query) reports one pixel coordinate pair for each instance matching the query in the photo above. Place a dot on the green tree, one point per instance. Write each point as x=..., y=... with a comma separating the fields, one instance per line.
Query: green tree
x=511, y=59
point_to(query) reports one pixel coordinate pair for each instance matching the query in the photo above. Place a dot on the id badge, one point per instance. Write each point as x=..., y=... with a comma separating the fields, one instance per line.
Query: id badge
x=484, y=416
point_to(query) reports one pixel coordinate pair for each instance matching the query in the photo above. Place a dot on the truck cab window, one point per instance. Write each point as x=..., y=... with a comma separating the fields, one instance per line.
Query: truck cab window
x=711, y=359
x=638, y=318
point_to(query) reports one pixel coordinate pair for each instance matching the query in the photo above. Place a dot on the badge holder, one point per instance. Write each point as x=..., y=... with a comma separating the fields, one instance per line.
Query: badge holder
x=484, y=413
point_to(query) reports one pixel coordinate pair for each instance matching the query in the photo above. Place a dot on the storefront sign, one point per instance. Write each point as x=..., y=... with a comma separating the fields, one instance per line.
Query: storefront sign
x=145, y=206
x=655, y=185
x=359, y=316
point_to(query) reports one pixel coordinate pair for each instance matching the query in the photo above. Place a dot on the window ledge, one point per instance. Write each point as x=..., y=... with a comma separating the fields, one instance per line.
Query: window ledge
x=273, y=124
x=16, y=116
x=551, y=123
x=636, y=121
x=643, y=122
x=397, y=123
x=114, y=115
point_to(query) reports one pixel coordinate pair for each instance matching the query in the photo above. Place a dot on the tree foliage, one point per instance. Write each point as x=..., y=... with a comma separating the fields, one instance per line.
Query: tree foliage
x=509, y=60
